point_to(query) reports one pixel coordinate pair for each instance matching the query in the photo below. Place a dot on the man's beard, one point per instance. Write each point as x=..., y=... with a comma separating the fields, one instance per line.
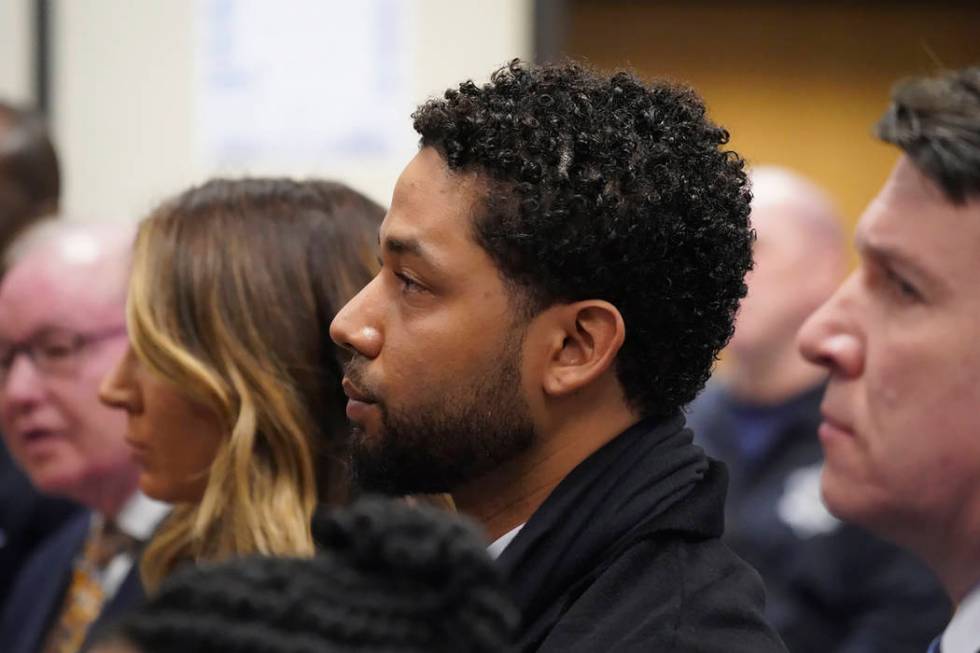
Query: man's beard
x=446, y=439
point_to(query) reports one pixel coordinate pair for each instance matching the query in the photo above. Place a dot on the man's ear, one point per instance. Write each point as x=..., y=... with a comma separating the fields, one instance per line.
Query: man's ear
x=588, y=337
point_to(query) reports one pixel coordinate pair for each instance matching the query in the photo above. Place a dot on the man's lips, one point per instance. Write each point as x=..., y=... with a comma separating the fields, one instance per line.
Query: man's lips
x=35, y=435
x=359, y=403
x=354, y=394
x=832, y=427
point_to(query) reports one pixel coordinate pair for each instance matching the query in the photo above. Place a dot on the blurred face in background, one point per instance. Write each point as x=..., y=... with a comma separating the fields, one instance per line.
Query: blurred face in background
x=900, y=433
x=61, y=331
x=798, y=262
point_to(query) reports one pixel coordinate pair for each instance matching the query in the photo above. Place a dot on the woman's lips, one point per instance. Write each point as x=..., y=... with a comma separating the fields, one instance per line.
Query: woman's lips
x=137, y=450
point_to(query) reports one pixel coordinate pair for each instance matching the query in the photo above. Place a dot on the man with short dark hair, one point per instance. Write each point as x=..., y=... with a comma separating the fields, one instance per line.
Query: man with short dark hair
x=831, y=587
x=900, y=433
x=562, y=261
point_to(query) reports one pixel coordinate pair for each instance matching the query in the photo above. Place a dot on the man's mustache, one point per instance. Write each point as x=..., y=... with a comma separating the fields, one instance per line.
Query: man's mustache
x=354, y=372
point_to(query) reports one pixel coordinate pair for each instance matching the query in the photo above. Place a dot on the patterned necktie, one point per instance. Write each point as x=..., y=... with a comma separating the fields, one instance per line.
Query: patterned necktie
x=85, y=595
x=934, y=647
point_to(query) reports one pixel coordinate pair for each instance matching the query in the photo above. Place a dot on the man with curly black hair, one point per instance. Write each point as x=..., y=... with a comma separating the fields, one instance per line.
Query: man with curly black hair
x=562, y=261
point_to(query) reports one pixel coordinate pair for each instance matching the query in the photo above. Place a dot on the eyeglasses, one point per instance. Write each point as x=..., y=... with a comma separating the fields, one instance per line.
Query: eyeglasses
x=53, y=351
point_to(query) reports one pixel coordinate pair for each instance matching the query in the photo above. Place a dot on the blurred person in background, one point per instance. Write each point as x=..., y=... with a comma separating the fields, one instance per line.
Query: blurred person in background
x=30, y=185
x=231, y=385
x=61, y=331
x=900, y=430
x=830, y=586
x=561, y=263
x=30, y=178
x=389, y=578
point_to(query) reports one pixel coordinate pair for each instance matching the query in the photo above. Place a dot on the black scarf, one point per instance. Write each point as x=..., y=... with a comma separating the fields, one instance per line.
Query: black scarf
x=620, y=494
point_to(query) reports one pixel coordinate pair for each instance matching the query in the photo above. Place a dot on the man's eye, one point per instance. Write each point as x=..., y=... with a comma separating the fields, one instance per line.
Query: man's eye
x=903, y=287
x=57, y=349
x=408, y=284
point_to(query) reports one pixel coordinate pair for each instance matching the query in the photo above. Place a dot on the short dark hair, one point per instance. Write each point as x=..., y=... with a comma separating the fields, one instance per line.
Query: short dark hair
x=936, y=121
x=30, y=177
x=603, y=187
x=390, y=577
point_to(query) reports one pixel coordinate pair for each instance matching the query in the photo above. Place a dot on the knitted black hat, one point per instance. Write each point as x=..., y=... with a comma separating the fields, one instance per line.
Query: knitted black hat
x=390, y=578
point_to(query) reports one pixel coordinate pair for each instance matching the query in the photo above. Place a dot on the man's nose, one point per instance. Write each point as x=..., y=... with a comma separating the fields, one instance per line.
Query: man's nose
x=832, y=337
x=23, y=382
x=357, y=325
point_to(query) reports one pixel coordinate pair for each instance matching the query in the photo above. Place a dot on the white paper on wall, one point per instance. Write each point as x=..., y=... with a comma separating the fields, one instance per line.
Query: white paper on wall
x=303, y=83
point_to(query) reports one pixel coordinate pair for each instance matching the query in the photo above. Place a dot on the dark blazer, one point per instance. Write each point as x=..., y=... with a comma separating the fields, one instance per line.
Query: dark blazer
x=831, y=587
x=625, y=555
x=27, y=518
x=39, y=591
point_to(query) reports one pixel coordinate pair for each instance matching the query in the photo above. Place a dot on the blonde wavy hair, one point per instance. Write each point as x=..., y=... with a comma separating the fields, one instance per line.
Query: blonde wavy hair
x=234, y=286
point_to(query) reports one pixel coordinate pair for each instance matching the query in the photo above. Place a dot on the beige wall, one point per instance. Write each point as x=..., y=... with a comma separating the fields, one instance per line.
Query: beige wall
x=798, y=84
x=123, y=90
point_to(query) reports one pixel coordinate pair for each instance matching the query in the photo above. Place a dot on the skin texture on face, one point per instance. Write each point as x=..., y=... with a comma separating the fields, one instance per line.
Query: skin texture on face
x=436, y=345
x=899, y=338
x=173, y=438
x=68, y=443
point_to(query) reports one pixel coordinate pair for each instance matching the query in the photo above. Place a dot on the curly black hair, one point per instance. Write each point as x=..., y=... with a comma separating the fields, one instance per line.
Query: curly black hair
x=936, y=120
x=390, y=578
x=603, y=187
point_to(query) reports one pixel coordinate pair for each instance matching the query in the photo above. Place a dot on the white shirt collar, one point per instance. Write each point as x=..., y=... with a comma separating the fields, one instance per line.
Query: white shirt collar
x=140, y=516
x=498, y=545
x=962, y=635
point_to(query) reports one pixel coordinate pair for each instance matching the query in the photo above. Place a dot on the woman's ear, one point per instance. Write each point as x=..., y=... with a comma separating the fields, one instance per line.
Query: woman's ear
x=587, y=338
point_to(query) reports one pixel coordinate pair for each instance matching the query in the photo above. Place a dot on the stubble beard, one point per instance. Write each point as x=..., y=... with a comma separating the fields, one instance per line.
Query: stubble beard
x=447, y=438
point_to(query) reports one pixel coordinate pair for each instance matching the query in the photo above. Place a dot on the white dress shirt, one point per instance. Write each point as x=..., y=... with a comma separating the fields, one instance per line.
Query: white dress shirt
x=499, y=544
x=962, y=635
x=138, y=518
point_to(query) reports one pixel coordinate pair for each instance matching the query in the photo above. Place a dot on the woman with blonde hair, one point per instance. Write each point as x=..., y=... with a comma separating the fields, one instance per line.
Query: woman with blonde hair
x=231, y=382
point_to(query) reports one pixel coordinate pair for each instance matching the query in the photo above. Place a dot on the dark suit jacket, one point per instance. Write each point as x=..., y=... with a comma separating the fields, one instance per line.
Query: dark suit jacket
x=831, y=587
x=39, y=591
x=27, y=518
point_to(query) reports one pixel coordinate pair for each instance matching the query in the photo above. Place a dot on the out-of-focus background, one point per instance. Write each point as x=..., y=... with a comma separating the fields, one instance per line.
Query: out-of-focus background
x=149, y=96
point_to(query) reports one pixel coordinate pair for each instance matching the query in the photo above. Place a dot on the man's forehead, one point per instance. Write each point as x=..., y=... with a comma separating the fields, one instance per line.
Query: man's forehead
x=43, y=291
x=912, y=222
x=430, y=199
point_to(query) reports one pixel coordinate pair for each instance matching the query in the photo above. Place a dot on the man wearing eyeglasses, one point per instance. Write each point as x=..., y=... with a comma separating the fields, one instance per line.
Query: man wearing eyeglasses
x=30, y=188
x=61, y=329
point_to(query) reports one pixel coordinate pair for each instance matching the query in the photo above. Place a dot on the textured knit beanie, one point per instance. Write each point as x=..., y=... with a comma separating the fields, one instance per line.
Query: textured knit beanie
x=389, y=578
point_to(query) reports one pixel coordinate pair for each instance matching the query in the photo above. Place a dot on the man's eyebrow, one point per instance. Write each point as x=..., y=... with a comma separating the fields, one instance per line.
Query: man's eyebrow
x=883, y=253
x=397, y=245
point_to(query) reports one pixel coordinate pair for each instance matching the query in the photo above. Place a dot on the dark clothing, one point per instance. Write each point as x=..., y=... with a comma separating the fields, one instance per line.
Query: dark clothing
x=27, y=518
x=831, y=587
x=625, y=555
x=38, y=595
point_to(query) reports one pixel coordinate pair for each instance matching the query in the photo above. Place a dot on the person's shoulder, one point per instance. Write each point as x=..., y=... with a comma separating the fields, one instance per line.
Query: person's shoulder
x=669, y=591
x=57, y=550
x=719, y=601
x=39, y=586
